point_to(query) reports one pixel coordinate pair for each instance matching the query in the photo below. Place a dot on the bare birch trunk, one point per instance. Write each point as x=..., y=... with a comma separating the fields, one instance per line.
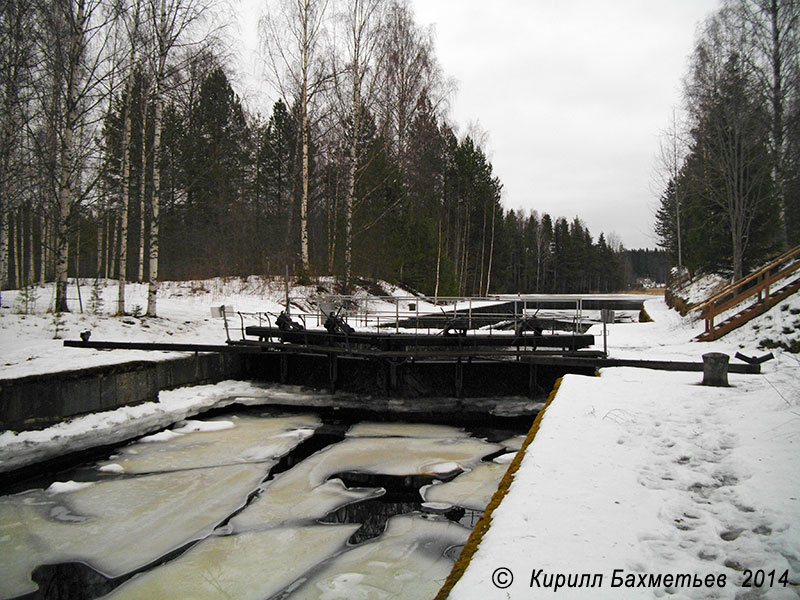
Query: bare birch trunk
x=62, y=223
x=483, y=252
x=78, y=255
x=777, y=121
x=112, y=249
x=491, y=255
x=14, y=233
x=99, y=262
x=351, y=173
x=143, y=184
x=125, y=184
x=304, y=135
x=3, y=251
x=106, y=255
x=31, y=259
x=438, y=265
x=154, y=218
x=43, y=250
x=332, y=227
x=67, y=158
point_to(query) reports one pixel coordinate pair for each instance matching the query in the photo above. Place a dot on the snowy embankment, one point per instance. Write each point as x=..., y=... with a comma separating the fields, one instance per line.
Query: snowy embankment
x=637, y=477
x=28, y=347
x=19, y=449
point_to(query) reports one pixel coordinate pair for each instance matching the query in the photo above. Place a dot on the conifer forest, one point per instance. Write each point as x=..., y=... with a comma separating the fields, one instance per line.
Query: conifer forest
x=126, y=152
x=730, y=163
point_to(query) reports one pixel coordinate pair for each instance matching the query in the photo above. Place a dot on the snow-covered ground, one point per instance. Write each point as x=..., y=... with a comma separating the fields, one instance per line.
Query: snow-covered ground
x=27, y=344
x=32, y=343
x=637, y=477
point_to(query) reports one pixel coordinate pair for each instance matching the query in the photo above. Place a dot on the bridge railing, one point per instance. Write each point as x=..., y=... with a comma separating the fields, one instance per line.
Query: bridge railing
x=412, y=314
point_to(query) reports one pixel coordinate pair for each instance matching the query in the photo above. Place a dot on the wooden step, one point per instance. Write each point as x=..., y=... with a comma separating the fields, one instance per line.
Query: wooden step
x=752, y=311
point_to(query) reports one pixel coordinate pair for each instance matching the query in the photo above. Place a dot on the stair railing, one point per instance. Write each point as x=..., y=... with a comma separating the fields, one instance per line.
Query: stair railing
x=757, y=282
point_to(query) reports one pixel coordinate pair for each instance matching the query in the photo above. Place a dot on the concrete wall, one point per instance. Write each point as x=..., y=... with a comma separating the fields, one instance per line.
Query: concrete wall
x=40, y=400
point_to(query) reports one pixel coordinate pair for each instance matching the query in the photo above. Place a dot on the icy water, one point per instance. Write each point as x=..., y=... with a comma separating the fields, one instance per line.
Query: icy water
x=253, y=504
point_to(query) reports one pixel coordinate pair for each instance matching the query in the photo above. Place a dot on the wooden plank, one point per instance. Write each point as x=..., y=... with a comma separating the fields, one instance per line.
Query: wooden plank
x=396, y=341
x=788, y=255
x=749, y=313
x=448, y=355
x=161, y=346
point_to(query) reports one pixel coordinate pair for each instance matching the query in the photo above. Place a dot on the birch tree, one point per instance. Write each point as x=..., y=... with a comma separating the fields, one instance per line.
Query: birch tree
x=362, y=22
x=411, y=79
x=774, y=37
x=293, y=37
x=729, y=132
x=131, y=15
x=16, y=64
x=671, y=156
x=174, y=24
x=74, y=47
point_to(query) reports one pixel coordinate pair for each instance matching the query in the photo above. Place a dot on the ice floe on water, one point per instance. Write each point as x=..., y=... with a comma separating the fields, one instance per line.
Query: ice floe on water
x=514, y=443
x=405, y=430
x=469, y=490
x=249, y=565
x=410, y=560
x=217, y=442
x=202, y=485
x=112, y=468
x=161, y=436
x=63, y=487
x=191, y=426
x=307, y=490
x=123, y=524
x=504, y=459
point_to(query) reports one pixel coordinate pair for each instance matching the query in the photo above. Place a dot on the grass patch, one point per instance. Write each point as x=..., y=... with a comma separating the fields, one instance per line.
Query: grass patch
x=643, y=316
x=792, y=346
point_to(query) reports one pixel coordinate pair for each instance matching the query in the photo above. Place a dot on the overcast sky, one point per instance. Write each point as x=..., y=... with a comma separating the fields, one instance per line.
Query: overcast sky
x=572, y=94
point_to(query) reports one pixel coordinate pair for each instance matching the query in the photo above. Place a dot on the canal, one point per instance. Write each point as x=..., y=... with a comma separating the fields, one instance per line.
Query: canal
x=253, y=502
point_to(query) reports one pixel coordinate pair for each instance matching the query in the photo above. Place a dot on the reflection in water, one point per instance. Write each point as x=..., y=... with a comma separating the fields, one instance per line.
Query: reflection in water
x=466, y=517
x=372, y=514
x=398, y=487
x=67, y=581
x=410, y=560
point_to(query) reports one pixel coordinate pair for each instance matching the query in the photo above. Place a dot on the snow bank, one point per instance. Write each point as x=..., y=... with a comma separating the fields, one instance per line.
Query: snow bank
x=99, y=429
x=63, y=487
x=647, y=473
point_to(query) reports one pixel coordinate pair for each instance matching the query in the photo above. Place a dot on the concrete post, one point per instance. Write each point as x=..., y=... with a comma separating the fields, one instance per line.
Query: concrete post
x=715, y=369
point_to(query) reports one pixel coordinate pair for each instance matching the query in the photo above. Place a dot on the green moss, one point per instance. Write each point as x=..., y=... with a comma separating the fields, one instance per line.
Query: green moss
x=484, y=522
x=643, y=316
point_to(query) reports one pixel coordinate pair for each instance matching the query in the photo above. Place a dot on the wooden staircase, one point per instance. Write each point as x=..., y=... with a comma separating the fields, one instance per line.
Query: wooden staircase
x=755, y=284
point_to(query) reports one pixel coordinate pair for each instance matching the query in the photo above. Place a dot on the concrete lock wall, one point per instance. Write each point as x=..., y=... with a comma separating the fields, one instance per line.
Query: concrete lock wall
x=40, y=400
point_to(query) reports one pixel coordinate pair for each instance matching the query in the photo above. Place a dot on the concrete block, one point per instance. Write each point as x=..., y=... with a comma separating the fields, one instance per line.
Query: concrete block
x=715, y=369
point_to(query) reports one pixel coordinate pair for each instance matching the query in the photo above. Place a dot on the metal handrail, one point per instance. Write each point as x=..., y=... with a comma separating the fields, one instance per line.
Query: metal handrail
x=417, y=317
